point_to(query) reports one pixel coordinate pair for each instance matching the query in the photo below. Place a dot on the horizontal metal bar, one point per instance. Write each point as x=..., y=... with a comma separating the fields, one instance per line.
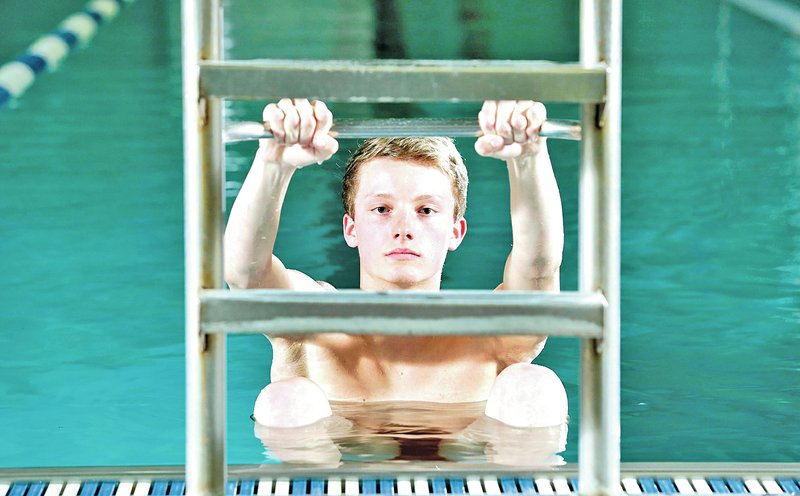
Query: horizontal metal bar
x=403, y=313
x=363, y=128
x=415, y=467
x=404, y=80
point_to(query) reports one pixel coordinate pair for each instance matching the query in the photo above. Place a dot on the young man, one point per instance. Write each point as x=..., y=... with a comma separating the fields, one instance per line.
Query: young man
x=404, y=200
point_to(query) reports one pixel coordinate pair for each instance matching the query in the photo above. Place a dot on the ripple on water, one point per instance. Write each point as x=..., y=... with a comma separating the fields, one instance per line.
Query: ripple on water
x=408, y=432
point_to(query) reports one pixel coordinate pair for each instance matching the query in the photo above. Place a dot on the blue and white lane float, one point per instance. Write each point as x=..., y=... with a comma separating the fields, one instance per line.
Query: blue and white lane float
x=49, y=50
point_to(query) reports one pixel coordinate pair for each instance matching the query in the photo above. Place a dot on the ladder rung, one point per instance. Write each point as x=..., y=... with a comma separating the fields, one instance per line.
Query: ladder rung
x=365, y=128
x=403, y=313
x=404, y=80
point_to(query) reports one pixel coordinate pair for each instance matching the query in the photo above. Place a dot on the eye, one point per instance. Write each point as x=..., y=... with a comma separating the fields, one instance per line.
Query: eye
x=426, y=210
x=381, y=210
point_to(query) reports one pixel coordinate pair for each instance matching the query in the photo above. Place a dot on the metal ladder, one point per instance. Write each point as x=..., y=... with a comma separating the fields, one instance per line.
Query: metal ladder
x=592, y=313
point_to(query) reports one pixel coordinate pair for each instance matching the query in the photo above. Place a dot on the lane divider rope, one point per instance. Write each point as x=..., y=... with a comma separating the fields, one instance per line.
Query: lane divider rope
x=49, y=50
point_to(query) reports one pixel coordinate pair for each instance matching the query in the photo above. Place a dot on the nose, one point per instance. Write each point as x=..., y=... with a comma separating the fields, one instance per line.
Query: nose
x=403, y=226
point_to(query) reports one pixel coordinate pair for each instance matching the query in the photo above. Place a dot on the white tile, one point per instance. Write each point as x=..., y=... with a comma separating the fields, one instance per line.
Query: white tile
x=282, y=486
x=474, y=486
x=771, y=486
x=334, y=486
x=421, y=486
x=683, y=485
x=701, y=486
x=404, y=486
x=753, y=486
x=264, y=487
x=631, y=486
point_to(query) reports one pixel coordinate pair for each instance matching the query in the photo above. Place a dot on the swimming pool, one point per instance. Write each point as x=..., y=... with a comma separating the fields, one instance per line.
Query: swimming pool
x=91, y=217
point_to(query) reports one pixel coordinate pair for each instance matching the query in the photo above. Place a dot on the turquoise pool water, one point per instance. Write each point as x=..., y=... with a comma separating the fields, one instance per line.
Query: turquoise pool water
x=91, y=309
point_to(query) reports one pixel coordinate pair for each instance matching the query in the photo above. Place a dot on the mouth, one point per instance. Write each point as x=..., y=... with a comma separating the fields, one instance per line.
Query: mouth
x=403, y=254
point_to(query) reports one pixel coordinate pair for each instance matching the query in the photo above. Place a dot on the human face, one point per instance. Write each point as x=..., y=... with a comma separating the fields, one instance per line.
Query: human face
x=403, y=225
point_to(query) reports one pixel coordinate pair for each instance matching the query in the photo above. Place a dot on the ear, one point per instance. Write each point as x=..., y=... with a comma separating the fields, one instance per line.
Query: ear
x=349, y=230
x=459, y=231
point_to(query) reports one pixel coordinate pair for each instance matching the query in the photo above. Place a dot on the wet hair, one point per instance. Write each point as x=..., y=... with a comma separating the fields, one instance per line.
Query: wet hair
x=426, y=151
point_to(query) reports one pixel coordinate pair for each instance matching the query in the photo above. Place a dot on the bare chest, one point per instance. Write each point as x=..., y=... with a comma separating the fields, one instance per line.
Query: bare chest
x=401, y=369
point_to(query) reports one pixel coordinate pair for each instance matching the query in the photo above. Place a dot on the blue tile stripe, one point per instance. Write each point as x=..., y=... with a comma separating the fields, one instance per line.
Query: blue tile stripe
x=36, y=489
x=317, y=487
x=89, y=488
x=18, y=489
x=527, y=486
x=369, y=486
x=438, y=485
x=159, y=488
x=648, y=485
x=736, y=485
x=508, y=485
x=385, y=486
x=457, y=486
x=247, y=488
x=176, y=488
x=788, y=485
x=666, y=486
x=718, y=485
x=50, y=49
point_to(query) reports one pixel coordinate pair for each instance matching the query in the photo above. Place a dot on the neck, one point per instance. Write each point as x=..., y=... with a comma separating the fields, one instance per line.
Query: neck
x=368, y=283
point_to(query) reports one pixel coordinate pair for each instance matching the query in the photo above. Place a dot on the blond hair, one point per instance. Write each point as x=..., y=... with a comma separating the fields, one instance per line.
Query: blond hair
x=427, y=151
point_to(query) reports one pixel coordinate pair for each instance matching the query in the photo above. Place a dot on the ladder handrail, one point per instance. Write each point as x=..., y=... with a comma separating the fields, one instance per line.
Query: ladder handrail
x=599, y=264
x=394, y=127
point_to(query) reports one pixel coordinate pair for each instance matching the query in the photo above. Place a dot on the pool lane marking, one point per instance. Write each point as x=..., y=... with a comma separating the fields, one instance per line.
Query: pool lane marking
x=47, y=52
x=334, y=486
x=72, y=488
x=777, y=12
x=264, y=487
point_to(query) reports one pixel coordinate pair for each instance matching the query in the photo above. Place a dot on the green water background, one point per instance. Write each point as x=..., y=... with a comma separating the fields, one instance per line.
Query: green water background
x=91, y=245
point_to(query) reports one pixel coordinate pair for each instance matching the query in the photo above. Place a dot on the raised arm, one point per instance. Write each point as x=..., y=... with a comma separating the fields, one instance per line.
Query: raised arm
x=511, y=133
x=301, y=138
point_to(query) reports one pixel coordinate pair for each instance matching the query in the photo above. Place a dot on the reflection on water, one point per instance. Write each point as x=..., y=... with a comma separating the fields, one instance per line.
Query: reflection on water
x=405, y=432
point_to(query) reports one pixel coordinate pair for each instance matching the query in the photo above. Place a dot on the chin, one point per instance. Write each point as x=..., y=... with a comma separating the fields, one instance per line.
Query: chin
x=408, y=280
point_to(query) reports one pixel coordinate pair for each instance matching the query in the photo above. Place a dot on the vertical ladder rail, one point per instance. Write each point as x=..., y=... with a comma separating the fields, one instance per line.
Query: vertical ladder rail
x=204, y=214
x=599, y=234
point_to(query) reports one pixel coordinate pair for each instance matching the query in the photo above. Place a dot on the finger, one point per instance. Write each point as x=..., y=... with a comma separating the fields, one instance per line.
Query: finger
x=324, y=147
x=323, y=116
x=308, y=123
x=509, y=151
x=487, y=116
x=503, y=122
x=519, y=120
x=274, y=116
x=489, y=145
x=536, y=116
x=291, y=121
